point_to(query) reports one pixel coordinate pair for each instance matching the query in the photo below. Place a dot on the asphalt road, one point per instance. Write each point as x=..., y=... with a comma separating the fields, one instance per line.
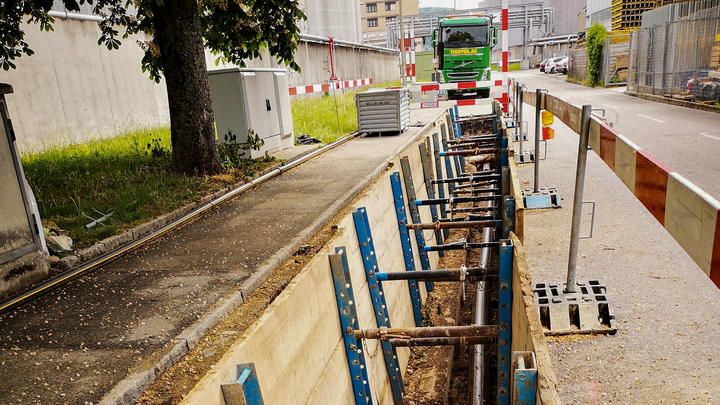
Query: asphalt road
x=684, y=140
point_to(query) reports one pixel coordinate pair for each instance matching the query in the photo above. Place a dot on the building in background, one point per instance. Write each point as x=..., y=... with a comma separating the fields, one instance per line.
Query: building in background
x=598, y=12
x=377, y=15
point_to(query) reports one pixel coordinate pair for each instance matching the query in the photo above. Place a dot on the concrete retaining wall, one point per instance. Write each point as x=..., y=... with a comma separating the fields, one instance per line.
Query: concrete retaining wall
x=72, y=90
x=297, y=345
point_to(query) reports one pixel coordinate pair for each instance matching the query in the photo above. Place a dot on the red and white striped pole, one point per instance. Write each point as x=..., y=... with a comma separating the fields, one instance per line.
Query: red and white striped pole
x=505, y=55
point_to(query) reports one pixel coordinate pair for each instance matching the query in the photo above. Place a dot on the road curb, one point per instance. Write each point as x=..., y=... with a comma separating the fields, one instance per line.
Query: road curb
x=672, y=101
x=131, y=387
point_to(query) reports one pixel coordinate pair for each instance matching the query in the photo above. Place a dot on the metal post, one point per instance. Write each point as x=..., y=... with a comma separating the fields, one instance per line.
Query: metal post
x=347, y=311
x=505, y=321
x=402, y=44
x=538, y=134
x=578, y=198
x=377, y=297
x=401, y=215
x=520, y=117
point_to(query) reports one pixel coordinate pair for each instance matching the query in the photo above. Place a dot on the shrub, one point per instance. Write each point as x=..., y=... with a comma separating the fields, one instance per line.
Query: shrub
x=596, y=36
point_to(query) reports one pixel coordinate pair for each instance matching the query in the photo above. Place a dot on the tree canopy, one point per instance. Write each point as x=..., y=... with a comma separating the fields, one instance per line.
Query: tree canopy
x=234, y=30
x=178, y=32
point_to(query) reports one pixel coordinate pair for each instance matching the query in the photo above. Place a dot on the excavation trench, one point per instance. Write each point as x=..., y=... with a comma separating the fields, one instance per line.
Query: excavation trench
x=371, y=315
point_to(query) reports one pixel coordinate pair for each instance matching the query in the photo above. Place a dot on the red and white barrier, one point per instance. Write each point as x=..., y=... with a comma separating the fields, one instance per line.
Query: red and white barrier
x=688, y=213
x=456, y=85
x=325, y=87
x=505, y=56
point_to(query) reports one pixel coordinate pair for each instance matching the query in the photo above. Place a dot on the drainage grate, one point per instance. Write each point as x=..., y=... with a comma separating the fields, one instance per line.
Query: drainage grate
x=586, y=311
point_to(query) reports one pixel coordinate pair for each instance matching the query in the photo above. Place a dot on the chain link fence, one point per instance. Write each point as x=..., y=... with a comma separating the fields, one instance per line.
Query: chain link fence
x=666, y=56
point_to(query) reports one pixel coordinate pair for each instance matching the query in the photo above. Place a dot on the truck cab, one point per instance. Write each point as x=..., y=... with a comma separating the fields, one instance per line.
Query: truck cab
x=463, y=46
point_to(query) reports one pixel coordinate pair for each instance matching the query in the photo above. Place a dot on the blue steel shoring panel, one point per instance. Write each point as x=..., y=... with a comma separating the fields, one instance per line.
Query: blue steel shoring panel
x=429, y=189
x=415, y=216
x=377, y=296
x=439, y=176
x=508, y=217
x=448, y=160
x=504, y=321
x=524, y=386
x=349, y=322
x=401, y=216
x=250, y=384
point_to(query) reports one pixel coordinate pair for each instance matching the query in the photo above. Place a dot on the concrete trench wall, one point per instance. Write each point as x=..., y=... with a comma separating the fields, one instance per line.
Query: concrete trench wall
x=297, y=345
x=72, y=90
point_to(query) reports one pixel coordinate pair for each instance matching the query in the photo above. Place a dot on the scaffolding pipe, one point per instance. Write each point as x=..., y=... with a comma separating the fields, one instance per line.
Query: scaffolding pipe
x=478, y=358
x=578, y=198
x=442, y=274
x=428, y=332
x=443, y=341
x=454, y=224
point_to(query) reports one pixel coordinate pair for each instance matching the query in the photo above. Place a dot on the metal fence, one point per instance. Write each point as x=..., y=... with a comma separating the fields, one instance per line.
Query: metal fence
x=577, y=64
x=614, y=69
x=664, y=57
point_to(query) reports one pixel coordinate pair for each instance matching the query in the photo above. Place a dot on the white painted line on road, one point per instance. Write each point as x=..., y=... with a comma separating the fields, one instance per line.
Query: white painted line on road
x=650, y=118
x=610, y=106
x=717, y=138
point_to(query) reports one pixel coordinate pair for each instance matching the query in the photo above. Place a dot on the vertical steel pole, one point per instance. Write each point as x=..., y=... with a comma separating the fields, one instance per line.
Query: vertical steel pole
x=402, y=45
x=578, y=198
x=520, y=117
x=538, y=134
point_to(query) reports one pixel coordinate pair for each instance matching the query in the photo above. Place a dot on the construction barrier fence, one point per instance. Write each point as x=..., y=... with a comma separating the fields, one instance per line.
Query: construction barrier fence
x=688, y=213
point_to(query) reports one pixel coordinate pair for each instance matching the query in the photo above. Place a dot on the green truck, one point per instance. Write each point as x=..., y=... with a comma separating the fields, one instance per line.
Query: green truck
x=463, y=45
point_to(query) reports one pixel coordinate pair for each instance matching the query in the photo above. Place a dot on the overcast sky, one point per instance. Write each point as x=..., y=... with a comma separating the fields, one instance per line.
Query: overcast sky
x=449, y=3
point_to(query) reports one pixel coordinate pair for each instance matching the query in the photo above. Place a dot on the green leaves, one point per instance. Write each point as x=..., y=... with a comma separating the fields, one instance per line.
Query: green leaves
x=596, y=37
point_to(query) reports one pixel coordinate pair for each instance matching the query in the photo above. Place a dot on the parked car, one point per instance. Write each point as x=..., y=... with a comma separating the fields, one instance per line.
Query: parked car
x=552, y=66
x=562, y=66
x=543, y=63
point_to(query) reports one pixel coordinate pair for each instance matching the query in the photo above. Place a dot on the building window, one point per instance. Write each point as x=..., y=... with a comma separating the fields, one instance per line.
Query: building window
x=390, y=20
x=372, y=22
x=371, y=7
x=390, y=6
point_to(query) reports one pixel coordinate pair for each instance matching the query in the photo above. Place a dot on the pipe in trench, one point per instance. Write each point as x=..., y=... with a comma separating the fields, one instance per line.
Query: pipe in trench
x=478, y=363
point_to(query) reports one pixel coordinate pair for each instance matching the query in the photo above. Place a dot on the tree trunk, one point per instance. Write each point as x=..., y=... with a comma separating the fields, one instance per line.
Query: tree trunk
x=178, y=35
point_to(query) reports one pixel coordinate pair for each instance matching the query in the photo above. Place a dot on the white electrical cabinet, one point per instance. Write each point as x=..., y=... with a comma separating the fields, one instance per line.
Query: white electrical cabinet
x=255, y=100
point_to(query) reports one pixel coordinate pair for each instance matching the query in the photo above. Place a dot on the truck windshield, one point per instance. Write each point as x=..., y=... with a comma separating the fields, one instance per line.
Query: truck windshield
x=465, y=36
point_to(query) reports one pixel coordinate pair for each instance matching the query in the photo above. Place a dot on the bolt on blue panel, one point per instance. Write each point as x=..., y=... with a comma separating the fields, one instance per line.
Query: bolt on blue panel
x=377, y=297
x=408, y=256
x=504, y=321
x=347, y=312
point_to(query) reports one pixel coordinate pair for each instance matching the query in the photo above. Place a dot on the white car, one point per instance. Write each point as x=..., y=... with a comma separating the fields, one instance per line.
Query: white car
x=557, y=65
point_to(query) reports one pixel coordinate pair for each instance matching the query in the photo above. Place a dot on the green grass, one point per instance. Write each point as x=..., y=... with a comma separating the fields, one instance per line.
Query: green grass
x=129, y=175
x=512, y=67
x=316, y=117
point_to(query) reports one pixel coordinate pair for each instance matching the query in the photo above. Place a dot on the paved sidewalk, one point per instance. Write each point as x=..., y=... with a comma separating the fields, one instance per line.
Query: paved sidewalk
x=76, y=343
x=667, y=310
